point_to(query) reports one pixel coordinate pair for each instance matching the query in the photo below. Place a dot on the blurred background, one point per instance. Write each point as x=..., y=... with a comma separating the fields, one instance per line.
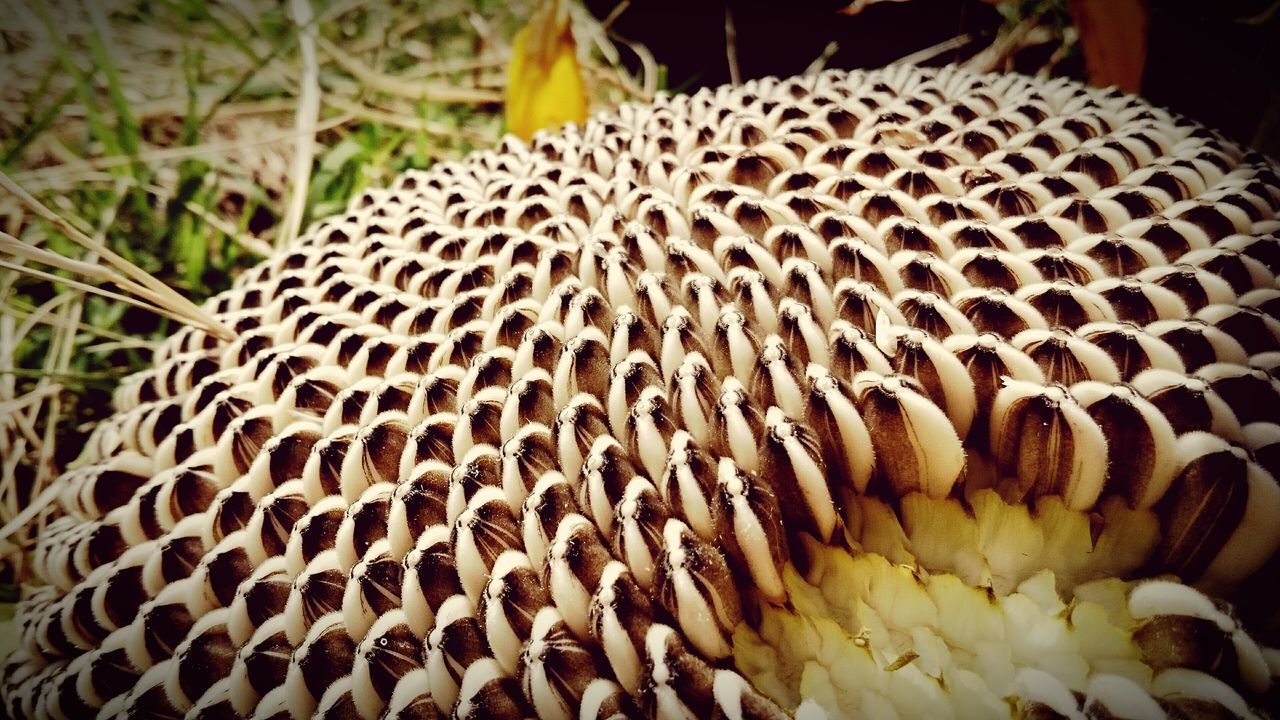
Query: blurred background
x=194, y=136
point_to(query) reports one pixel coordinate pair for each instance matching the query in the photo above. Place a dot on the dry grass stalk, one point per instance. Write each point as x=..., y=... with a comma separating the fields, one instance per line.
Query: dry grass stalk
x=182, y=307
x=150, y=303
x=158, y=156
x=408, y=122
x=305, y=118
x=40, y=317
x=11, y=406
x=395, y=85
x=248, y=242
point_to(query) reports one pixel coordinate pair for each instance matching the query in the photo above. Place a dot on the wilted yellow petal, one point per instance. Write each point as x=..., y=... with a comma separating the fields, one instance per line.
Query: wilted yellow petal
x=544, y=82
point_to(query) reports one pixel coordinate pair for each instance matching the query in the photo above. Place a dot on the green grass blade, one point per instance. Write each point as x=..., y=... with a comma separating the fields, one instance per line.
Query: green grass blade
x=84, y=83
x=127, y=129
x=37, y=127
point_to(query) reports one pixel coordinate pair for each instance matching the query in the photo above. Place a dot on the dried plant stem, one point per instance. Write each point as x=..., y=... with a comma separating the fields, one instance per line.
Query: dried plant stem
x=11, y=245
x=608, y=77
x=1005, y=44
x=59, y=357
x=731, y=48
x=393, y=85
x=64, y=346
x=934, y=51
x=604, y=41
x=615, y=13
x=306, y=116
x=248, y=242
x=16, y=248
x=110, y=346
x=453, y=66
x=11, y=502
x=42, y=314
x=408, y=122
x=8, y=407
x=86, y=287
x=820, y=62
x=27, y=426
x=1058, y=56
x=8, y=346
x=30, y=512
x=39, y=316
x=181, y=307
x=179, y=153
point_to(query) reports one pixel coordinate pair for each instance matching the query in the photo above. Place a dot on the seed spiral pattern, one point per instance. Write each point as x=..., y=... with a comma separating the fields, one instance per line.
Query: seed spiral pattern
x=903, y=393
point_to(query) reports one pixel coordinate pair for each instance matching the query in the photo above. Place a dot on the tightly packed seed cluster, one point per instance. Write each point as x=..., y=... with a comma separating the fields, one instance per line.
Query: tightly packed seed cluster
x=907, y=393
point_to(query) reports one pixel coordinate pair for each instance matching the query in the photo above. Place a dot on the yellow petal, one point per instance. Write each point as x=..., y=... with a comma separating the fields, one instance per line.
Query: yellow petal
x=544, y=82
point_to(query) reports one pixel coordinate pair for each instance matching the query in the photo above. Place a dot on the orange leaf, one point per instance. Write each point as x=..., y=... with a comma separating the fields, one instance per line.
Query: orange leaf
x=1113, y=34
